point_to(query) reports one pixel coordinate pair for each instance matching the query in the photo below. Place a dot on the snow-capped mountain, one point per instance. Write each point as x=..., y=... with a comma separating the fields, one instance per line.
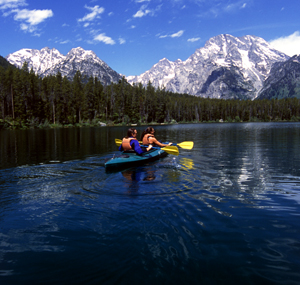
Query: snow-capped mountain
x=38, y=60
x=283, y=80
x=49, y=61
x=226, y=67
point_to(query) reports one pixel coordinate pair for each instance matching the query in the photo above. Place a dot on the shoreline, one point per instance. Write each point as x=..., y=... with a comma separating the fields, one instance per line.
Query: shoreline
x=8, y=125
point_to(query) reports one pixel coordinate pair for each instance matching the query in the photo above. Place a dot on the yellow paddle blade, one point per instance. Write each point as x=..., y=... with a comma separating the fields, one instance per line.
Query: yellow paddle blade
x=118, y=142
x=186, y=145
x=171, y=149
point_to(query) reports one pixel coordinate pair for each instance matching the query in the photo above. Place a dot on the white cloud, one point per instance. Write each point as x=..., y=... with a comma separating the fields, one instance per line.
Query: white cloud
x=141, y=1
x=122, y=41
x=31, y=18
x=216, y=10
x=11, y=4
x=144, y=11
x=95, y=13
x=65, y=42
x=178, y=34
x=289, y=45
x=175, y=35
x=105, y=39
x=235, y=6
x=193, y=40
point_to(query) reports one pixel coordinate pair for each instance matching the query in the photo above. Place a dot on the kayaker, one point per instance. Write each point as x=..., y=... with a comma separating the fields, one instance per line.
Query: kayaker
x=148, y=138
x=131, y=143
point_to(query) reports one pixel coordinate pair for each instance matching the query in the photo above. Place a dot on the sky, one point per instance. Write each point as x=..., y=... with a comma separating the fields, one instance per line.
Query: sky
x=133, y=35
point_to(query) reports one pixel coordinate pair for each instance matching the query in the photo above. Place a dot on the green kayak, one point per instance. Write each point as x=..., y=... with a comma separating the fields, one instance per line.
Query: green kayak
x=130, y=159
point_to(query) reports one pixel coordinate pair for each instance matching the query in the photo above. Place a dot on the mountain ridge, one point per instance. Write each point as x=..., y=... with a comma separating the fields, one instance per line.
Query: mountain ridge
x=225, y=67
x=283, y=80
x=48, y=61
x=222, y=54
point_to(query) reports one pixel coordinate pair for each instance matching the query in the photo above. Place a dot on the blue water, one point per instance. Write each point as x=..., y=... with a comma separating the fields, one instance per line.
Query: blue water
x=226, y=212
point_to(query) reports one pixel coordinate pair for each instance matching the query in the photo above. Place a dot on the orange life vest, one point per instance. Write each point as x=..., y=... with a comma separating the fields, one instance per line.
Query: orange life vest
x=146, y=139
x=126, y=144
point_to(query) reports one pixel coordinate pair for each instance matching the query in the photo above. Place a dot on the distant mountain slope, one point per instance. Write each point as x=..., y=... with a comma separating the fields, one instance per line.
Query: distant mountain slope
x=226, y=67
x=283, y=80
x=49, y=61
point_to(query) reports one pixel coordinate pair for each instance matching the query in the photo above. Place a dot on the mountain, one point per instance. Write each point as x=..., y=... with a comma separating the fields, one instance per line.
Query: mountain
x=49, y=61
x=39, y=60
x=283, y=80
x=226, y=67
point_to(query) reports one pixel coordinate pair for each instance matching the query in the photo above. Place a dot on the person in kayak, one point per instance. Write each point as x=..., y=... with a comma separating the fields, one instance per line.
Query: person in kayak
x=131, y=143
x=148, y=138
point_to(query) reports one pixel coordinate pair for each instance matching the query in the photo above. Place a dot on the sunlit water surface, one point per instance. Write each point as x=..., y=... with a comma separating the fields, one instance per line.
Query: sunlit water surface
x=226, y=212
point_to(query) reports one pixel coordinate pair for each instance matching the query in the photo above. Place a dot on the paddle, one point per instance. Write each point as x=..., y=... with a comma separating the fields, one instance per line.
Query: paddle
x=118, y=142
x=169, y=149
x=186, y=145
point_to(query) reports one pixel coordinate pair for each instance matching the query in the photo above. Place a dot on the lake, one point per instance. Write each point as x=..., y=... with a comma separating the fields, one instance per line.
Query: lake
x=225, y=212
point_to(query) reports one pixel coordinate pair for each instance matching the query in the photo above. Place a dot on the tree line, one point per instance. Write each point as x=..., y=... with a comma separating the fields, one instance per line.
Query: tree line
x=27, y=100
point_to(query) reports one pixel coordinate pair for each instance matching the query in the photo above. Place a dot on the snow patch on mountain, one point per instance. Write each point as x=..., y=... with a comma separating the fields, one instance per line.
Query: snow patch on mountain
x=48, y=61
x=38, y=60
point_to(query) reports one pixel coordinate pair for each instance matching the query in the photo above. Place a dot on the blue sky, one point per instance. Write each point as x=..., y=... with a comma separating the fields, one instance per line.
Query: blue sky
x=133, y=35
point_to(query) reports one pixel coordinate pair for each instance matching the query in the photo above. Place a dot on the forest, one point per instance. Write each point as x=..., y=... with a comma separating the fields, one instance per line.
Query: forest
x=29, y=101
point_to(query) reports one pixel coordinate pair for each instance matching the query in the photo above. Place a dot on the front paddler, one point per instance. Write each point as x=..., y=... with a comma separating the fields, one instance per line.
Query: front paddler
x=131, y=143
x=148, y=138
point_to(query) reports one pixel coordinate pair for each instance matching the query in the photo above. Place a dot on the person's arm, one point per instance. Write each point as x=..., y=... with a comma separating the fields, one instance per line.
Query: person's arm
x=154, y=140
x=136, y=146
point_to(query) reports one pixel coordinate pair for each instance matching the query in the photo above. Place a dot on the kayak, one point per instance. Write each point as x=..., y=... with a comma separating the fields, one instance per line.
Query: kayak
x=130, y=158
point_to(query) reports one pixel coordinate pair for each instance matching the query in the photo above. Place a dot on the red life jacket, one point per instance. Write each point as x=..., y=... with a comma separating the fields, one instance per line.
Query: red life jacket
x=146, y=139
x=126, y=143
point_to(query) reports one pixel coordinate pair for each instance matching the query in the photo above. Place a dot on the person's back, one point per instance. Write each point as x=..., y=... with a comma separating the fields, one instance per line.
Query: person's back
x=130, y=143
x=148, y=138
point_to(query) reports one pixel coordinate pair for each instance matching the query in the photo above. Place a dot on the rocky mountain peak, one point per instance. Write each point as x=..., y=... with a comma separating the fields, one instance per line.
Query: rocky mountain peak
x=209, y=71
x=49, y=61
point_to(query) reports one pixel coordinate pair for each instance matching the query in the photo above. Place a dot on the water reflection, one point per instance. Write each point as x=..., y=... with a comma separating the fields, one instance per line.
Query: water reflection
x=187, y=163
x=231, y=206
x=134, y=176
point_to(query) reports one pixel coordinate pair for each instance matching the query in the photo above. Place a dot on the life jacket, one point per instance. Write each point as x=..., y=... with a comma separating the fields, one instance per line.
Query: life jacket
x=126, y=143
x=146, y=139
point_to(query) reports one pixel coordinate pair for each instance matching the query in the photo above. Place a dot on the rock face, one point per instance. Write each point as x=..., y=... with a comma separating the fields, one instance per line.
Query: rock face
x=283, y=80
x=49, y=61
x=226, y=67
